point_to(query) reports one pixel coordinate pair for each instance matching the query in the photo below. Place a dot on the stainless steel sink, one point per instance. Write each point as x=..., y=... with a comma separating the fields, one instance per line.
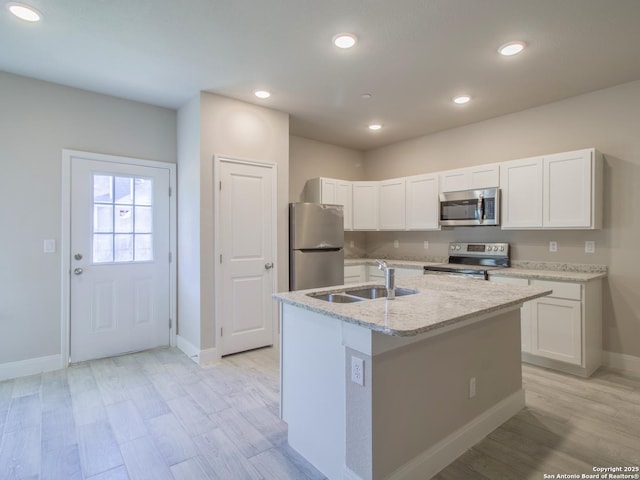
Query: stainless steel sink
x=335, y=297
x=380, y=292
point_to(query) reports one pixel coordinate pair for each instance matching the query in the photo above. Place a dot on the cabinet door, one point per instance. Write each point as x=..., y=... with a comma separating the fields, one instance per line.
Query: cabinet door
x=343, y=197
x=521, y=185
x=455, y=180
x=525, y=311
x=422, y=204
x=567, y=190
x=354, y=274
x=484, y=176
x=328, y=190
x=392, y=200
x=557, y=329
x=365, y=205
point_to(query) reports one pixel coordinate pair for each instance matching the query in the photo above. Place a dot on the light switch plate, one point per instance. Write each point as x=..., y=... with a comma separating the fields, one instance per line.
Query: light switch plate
x=396, y=244
x=426, y=244
x=49, y=245
x=589, y=247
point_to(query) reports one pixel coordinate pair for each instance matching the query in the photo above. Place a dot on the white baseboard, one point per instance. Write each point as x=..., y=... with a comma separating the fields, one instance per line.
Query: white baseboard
x=201, y=357
x=431, y=461
x=348, y=474
x=620, y=361
x=30, y=366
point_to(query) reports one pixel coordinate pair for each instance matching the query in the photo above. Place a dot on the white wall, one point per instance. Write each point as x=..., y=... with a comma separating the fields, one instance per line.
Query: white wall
x=310, y=159
x=189, y=221
x=233, y=129
x=38, y=120
x=608, y=120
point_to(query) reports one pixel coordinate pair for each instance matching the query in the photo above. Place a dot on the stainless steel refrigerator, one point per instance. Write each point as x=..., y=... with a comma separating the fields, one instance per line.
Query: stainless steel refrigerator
x=316, y=241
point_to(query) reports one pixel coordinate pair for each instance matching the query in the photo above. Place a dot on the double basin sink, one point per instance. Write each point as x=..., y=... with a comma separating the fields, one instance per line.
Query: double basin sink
x=357, y=295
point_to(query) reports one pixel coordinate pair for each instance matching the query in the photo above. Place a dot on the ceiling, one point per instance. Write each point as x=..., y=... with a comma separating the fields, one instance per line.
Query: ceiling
x=413, y=56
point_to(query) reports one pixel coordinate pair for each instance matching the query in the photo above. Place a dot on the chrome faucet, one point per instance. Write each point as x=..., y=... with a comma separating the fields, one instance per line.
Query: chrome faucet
x=389, y=279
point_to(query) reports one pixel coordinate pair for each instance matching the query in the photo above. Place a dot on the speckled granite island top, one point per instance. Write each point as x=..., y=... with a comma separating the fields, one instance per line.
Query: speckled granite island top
x=441, y=301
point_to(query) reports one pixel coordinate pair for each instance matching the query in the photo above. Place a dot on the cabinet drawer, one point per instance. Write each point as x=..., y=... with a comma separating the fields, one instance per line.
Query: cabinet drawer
x=570, y=291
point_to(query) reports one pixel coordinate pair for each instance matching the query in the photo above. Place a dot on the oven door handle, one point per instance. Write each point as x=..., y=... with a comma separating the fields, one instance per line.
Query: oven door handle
x=480, y=208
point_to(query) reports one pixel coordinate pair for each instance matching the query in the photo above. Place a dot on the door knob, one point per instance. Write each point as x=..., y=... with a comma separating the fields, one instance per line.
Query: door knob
x=268, y=266
x=78, y=256
x=78, y=271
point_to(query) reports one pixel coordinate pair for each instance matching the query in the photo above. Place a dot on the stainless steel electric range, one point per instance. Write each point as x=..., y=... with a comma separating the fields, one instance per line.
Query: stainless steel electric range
x=472, y=259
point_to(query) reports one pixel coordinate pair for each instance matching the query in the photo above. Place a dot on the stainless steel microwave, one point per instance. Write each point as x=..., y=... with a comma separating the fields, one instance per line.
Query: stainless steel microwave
x=470, y=207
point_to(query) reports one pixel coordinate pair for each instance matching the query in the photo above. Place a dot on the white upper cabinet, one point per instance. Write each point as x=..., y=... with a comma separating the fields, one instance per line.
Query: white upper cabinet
x=521, y=188
x=422, y=203
x=559, y=191
x=344, y=197
x=471, y=178
x=392, y=204
x=365, y=205
x=572, y=190
x=332, y=191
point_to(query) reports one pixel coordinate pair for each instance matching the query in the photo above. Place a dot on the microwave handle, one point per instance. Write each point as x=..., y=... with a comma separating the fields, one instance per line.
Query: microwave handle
x=480, y=208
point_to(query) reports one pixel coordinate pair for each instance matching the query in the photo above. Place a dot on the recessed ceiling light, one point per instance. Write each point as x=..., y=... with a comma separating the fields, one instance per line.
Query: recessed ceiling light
x=24, y=12
x=345, y=40
x=262, y=94
x=511, y=48
x=461, y=99
x=375, y=126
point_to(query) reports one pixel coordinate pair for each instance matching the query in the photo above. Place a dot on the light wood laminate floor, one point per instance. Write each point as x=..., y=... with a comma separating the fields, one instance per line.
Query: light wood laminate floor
x=157, y=415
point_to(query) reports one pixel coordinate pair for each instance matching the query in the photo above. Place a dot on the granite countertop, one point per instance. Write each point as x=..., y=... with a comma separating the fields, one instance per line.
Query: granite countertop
x=441, y=301
x=560, y=272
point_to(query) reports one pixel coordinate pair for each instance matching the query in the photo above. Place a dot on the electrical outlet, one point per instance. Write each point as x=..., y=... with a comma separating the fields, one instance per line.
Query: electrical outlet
x=472, y=387
x=589, y=247
x=396, y=244
x=357, y=370
x=352, y=244
x=426, y=244
x=553, y=246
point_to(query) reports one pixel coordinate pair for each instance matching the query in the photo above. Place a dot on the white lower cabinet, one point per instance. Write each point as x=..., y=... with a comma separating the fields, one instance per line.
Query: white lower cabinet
x=354, y=274
x=369, y=273
x=556, y=329
x=525, y=311
x=562, y=330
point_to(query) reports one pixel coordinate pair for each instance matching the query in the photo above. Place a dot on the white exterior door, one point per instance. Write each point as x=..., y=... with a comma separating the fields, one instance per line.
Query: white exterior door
x=119, y=258
x=247, y=231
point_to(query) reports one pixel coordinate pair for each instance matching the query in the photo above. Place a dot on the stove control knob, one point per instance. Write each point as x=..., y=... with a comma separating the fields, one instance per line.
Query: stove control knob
x=495, y=249
x=457, y=247
x=502, y=249
x=453, y=247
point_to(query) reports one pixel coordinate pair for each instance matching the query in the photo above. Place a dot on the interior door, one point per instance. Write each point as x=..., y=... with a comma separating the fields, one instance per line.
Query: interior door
x=120, y=265
x=247, y=214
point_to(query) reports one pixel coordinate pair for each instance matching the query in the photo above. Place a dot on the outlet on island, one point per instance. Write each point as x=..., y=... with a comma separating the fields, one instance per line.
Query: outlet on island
x=357, y=370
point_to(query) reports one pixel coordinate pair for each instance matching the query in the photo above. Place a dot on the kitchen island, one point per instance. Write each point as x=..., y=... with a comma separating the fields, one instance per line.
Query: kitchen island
x=397, y=389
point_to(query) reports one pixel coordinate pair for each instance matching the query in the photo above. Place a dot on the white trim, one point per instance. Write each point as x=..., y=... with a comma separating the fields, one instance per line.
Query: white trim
x=434, y=459
x=30, y=366
x=201, y=357
x=65, y=241
x=217, y=251
x=621, y=361
x=348, y=474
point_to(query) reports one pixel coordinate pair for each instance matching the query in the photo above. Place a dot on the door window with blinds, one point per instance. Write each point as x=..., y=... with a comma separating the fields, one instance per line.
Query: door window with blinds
x=122, y=219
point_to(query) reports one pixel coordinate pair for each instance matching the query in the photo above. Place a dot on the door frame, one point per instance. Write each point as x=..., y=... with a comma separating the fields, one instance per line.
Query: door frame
x=65, y=240
x=217, y=249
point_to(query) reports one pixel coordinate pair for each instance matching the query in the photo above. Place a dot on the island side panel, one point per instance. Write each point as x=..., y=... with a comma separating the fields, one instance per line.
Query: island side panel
x=420, y=393
x=313, y=387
